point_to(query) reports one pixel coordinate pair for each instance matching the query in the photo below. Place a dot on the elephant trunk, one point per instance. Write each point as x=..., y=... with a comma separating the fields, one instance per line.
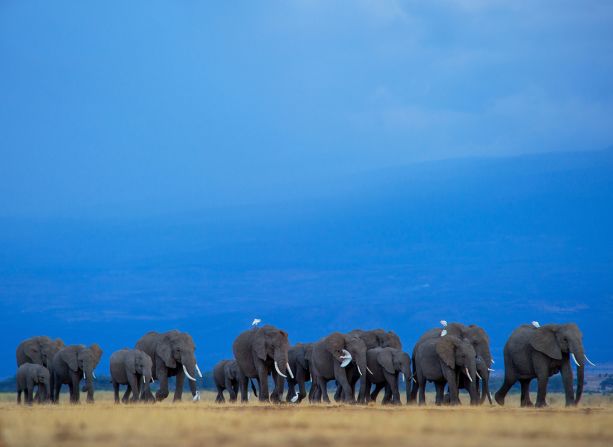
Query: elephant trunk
x=190, y=368
x=281, y=364
x=89, y=384
x=579, y=358
x=472, y=384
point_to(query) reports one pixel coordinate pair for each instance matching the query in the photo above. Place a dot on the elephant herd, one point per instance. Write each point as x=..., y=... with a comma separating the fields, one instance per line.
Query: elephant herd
x=360, y=363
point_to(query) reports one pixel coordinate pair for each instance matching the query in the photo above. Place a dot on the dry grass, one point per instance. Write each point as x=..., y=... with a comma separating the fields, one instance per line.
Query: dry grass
x=254, y=425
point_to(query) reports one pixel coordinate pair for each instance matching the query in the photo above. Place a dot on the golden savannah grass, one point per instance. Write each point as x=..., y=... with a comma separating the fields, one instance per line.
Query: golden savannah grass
x=254, y=425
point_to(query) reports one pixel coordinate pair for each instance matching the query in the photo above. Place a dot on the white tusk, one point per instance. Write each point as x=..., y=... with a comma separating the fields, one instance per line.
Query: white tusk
x=493, y=361
x=468, y=374
x=489, y=395
x=490, y=369
x=359, y=370
x=289, y=370
x=443, y=332
x=371, y=373
x=444, y=323
x=588, y=360
x=187, y=374
x=152, y=381
x=402, y=376
x=295, y=398
x=480, y=378
x=413, y=379
x=196, y=396
x=346, y=358
x=198, y=371
x=144, y=380
x=574, y=359
x=84, y=378
x=279, y=371
x=93, y=374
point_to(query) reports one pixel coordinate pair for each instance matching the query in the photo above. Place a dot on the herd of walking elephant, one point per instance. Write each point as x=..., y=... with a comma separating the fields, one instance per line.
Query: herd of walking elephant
x=455, y=356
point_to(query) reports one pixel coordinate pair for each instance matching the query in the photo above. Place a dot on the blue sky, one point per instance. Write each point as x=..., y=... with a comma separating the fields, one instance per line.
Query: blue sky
x=152, y=107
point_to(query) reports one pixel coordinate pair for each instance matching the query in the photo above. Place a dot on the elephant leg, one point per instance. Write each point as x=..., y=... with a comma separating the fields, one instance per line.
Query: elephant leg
x=525, y=393
x=28, y=394
x=440, y=392
x=291, y=390
x=450, y=376
x=133, y=381
x=263, y=380
x=301, y=390
x=509, y=381
x=375, y=393
x=234, y=391
x=219, y=399
x=323, y=390
x=277, y=392
x=76, y=391
x=338, y=394
x=19, y=396
x=567, y=379
x=126, y=395
x=341, y=379
x=392, y=383
x=421, y=380
x=162, y=375
x=57, y=386
x=228, y=386
x=180, y=381
x=116, y=391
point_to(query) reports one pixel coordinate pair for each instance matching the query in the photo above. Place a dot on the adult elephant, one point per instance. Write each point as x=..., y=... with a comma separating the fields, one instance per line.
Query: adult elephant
x=38, y=350
x=298, y=359
x=374, y=338
x=69, y=365
x=260, y=352
x=441, y=360
x=330, y=357
x=480, y=342
x=385, y=366
x=173, y=354
x=131, y=367
x=538, y=352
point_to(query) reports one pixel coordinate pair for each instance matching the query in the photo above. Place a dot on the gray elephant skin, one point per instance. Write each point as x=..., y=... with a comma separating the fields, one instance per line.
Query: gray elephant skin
x=39, y=350
x=329, y=359
x=131, y=367
x=173, y=354
x=30, y=376
x=260, y=352
x=441, y=360
x=385, y=366
x=373, y=338
x=538, y=353
x=480, y=342
x=299, y=359
x=71, y=364
x=226, y=375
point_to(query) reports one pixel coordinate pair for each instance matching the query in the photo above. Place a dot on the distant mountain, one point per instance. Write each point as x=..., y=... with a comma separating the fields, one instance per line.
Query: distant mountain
x=496, y=242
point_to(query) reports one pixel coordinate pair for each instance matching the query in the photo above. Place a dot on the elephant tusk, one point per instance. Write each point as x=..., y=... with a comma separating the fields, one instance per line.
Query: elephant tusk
x=198, y=371
x=468, y=374
x=402, y=376
x=152, y=381
x=187, y=374
x=574, y=359
x=413, y=379
x=196, y=397
x=144, y=380
x=493, y=361
x=346, y=357
x=490, y=369
x=368, y=369
x=489, y=395
x=93, y=374
x=359, y=370
x=289, y=371
x=588, y=360
x=84, y=378
x=480, y=378
x=295, y=398
x=279, y=371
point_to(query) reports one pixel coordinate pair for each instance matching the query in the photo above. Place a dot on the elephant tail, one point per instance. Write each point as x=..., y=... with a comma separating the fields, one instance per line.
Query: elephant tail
x=253, y=388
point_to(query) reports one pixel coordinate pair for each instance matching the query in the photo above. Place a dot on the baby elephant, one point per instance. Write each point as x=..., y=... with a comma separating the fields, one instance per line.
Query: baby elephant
x=131, y=367
x=226, y=375
x=30, y=375
x=384, y=367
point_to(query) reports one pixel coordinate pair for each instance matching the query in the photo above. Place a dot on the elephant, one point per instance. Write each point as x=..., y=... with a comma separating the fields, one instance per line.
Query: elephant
x=441, y=360
x=385, y=365
x=259, y=352
x=372, y=338
x=131, y=367
x=330, y=357
x=299, y=356
x=69, y=365
x=172, y=354
x=480, y=342
x=534, y=351
x=226, y=375
x=38, y=350
x=29, y=376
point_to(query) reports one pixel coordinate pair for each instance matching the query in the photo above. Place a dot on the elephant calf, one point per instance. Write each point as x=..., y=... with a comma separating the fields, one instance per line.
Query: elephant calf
x=29, y=376
x=131, y=367
x=298, y=359
x=385, y=365
x=227, y=376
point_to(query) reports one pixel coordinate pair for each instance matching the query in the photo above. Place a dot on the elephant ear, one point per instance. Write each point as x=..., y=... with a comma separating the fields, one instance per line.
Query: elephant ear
x=259, y=345
x=445, y=348
x=164, y=351
x=384, y=358
x=97, y=351
x=69, y=356
x=59, y=343
x=131, y=362
x=33, y=352
x=544, y=340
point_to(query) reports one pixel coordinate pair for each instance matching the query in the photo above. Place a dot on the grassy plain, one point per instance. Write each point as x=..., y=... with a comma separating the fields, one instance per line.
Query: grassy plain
x=254, y=425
